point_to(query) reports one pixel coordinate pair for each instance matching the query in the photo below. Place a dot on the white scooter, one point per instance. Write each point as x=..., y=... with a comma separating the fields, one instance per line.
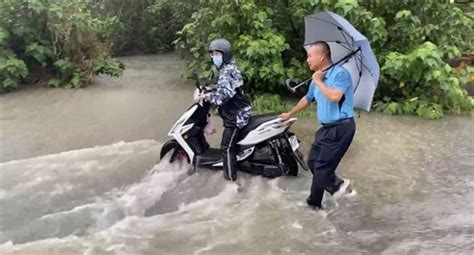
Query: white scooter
x=265, y=146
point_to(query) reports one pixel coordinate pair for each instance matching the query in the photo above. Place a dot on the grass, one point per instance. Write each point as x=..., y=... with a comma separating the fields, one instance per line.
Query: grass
x=266, y=103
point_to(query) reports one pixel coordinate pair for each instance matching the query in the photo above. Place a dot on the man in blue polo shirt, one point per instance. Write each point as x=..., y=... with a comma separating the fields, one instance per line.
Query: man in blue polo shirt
x=333, y=93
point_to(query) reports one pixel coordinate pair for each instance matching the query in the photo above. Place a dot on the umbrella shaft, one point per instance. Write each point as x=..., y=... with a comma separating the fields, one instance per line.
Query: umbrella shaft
x=348, y=56
x=343, y=59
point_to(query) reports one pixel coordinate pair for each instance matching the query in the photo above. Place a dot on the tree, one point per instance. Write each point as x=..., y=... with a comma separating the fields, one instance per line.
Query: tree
x=268, y=35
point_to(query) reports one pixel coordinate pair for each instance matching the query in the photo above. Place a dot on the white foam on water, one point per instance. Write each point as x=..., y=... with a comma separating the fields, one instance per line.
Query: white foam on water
x=81, y=209
x=230, y=218
x=29, y=175
x=3, y=194
x=143, y=195
x=133, y=200
x=65, y=245
x=119, y=148
x=217, y=216
x=101, y=211
x=32, y=184
x=62, y=188
x=297, y=225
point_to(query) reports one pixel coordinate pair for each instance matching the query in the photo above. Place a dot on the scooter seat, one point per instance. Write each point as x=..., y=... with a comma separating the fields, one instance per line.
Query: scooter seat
x=256, y=121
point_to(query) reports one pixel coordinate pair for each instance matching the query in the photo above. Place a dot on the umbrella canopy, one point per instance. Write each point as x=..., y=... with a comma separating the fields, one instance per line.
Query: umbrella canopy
x=349, y=48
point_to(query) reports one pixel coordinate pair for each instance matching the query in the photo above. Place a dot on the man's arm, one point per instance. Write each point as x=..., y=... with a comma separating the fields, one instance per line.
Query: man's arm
x=332, y=94
x=303, y=103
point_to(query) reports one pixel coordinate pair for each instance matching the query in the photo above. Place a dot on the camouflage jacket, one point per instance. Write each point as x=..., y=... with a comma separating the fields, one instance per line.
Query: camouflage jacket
x=234, y=106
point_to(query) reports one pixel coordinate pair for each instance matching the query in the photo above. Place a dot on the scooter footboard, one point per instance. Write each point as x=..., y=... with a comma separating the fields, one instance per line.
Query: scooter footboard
x=265, y=170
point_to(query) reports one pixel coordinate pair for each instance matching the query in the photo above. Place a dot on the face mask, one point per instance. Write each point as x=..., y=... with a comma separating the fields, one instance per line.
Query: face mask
x=217, y=60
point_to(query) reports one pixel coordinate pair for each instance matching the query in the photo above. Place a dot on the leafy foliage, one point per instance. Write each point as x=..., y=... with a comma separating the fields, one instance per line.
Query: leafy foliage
x=66, y=43
x=425, y=84
x=144, y=27
x=171, y=16
x=411, y=40
x=53, y=41
x=265, y=103
x=269, y=103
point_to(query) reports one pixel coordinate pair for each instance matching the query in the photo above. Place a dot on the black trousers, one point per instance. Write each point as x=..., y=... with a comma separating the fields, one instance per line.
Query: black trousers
x=330, y=144
x=228, y=149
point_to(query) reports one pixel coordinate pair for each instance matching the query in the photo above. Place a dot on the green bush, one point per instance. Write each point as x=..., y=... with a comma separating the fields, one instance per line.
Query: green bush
x=66, y=43
x=170, y=17
x=55, y=42
x=258, y=45
x=410, y=39
x=145, y=27
x=266, y=103
x=421, y=83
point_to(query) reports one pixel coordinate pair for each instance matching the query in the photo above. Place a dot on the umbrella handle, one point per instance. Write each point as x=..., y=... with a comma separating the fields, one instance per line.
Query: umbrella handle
x=293, y=89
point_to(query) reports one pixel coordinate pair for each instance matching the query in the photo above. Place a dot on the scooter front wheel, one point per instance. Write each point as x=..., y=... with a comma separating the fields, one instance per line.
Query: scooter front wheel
x=177, y=152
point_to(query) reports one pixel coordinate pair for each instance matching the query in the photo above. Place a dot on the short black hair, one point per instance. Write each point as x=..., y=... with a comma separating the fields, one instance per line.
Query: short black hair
x=325, y=47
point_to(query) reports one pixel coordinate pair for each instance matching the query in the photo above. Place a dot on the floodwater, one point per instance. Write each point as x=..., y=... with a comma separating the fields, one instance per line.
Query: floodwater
x=79, y=174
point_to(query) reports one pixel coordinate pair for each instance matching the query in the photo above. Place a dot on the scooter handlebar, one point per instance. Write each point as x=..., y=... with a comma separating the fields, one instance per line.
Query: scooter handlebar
x=197, y=82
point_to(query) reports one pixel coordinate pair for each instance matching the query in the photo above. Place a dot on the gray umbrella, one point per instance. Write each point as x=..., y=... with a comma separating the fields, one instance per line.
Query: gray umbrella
x=349, y=48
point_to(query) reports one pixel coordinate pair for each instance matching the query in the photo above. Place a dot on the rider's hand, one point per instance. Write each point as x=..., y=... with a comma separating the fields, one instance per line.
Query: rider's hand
x=202, y=96
x=284, y=116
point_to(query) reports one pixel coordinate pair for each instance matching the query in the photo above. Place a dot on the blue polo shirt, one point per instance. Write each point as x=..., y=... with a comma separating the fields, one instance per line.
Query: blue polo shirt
x=328, y=112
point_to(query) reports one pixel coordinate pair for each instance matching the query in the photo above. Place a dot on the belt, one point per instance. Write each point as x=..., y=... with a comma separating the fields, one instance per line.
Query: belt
x=338, y=122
